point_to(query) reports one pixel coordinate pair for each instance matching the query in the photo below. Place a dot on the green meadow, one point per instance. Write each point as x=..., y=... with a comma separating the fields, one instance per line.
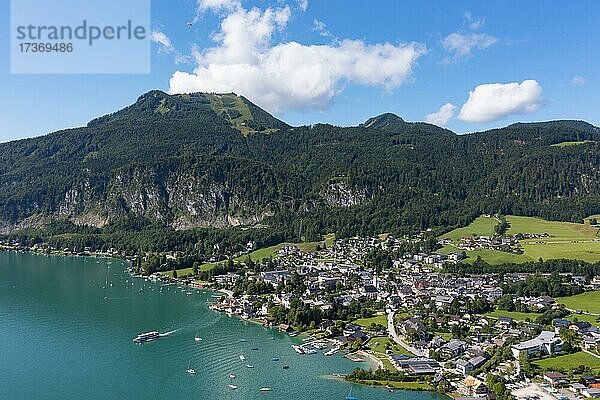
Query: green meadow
x=569, y=361
x=588, y=302
x=517, y=316
x=569, y=240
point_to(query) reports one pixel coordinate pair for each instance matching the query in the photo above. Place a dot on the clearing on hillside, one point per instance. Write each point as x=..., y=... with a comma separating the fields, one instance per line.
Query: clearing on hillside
x=568, y=240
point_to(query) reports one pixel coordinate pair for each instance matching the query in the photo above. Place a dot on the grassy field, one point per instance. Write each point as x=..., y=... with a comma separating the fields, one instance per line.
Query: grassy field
x=518, y=316
x=561, y=230
x=588, y=302
x=569, y=240
x=379, y=319
x=482, y=226
x=569, y=361
x=379, y=343
x=234, y=109
x=491, y=256
x=592, y=319
x=568, y=144
x=271, y=251
x=444, y=335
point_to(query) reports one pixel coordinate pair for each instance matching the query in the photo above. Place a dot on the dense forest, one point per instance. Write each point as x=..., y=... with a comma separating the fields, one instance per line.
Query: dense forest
x=168, y=171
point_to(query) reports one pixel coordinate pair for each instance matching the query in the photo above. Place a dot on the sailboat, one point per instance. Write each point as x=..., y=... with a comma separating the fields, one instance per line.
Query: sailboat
x=242, y=357
x=189, y=369
x=254, y=345
x=351, y=396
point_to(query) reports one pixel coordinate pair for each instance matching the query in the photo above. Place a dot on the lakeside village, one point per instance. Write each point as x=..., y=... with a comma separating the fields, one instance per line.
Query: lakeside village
x=385, y=300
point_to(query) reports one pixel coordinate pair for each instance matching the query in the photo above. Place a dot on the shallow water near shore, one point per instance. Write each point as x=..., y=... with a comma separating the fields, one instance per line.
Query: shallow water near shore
x=66, y=333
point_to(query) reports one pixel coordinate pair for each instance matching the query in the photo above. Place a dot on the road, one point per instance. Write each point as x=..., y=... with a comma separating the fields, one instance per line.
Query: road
x=590, y=353
x=399, y=340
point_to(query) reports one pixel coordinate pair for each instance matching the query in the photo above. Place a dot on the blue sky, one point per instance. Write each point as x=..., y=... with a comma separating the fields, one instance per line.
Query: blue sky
x=492, y=63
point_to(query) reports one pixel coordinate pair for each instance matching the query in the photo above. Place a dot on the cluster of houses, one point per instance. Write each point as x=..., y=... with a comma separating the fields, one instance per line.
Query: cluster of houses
x=587, y=386
x=509, y=244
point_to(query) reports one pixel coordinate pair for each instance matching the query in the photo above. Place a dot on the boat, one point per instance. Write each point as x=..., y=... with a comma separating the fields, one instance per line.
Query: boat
x=286, y=367
x=249, y=366
x=197, y=338
x=242, y=357
x=298, y=349
x=272, y=338
x=332, y=351
x=232, y=376
x=275, y=359
x=265, y=389
x=351, y=396
x=146, y=337
x=243, y=340
x=253, y=346
x=190, y=370
x=230, y=386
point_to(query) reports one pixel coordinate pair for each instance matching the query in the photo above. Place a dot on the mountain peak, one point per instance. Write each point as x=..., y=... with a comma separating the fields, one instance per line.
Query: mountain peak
x=384, y=121
x=231, y=109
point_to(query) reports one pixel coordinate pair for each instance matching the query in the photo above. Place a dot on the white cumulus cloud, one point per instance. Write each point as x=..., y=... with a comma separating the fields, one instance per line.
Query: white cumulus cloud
x=441, y=116
x=462, y=44
x=217, y=5
x=578, y=80
x=321, y=28
x=303, y=5
x=290, y=75
x=165, y=45
x=492, y=101
x=472, y=22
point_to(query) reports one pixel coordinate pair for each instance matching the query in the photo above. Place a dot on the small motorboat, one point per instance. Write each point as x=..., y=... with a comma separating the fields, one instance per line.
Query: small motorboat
x=249, y=366
x=230, y=386
x=351, y=396
x=190, y=370
x=265, y=389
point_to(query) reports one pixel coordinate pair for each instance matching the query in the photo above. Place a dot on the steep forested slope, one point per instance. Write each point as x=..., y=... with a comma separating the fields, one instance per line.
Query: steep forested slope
x=199, y=160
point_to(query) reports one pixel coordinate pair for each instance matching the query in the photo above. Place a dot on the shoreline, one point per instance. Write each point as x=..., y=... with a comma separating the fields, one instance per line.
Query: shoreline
x=373, y=361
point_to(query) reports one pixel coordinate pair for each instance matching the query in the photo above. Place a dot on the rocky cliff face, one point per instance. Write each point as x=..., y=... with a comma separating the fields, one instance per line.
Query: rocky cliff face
x=174, y=198
x=342, y=194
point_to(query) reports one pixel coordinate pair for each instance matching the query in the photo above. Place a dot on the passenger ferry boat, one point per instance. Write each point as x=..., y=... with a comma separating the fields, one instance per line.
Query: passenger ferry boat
x=146, y=337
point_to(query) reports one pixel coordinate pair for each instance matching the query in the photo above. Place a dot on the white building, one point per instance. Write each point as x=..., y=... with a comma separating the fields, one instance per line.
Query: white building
x=547, y=343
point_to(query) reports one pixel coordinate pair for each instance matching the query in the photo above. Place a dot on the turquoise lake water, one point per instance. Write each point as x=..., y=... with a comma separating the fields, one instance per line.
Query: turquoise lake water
x=61, y=339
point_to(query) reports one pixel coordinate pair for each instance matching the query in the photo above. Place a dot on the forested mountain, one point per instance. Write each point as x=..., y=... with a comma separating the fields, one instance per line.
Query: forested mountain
x=208, y=160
